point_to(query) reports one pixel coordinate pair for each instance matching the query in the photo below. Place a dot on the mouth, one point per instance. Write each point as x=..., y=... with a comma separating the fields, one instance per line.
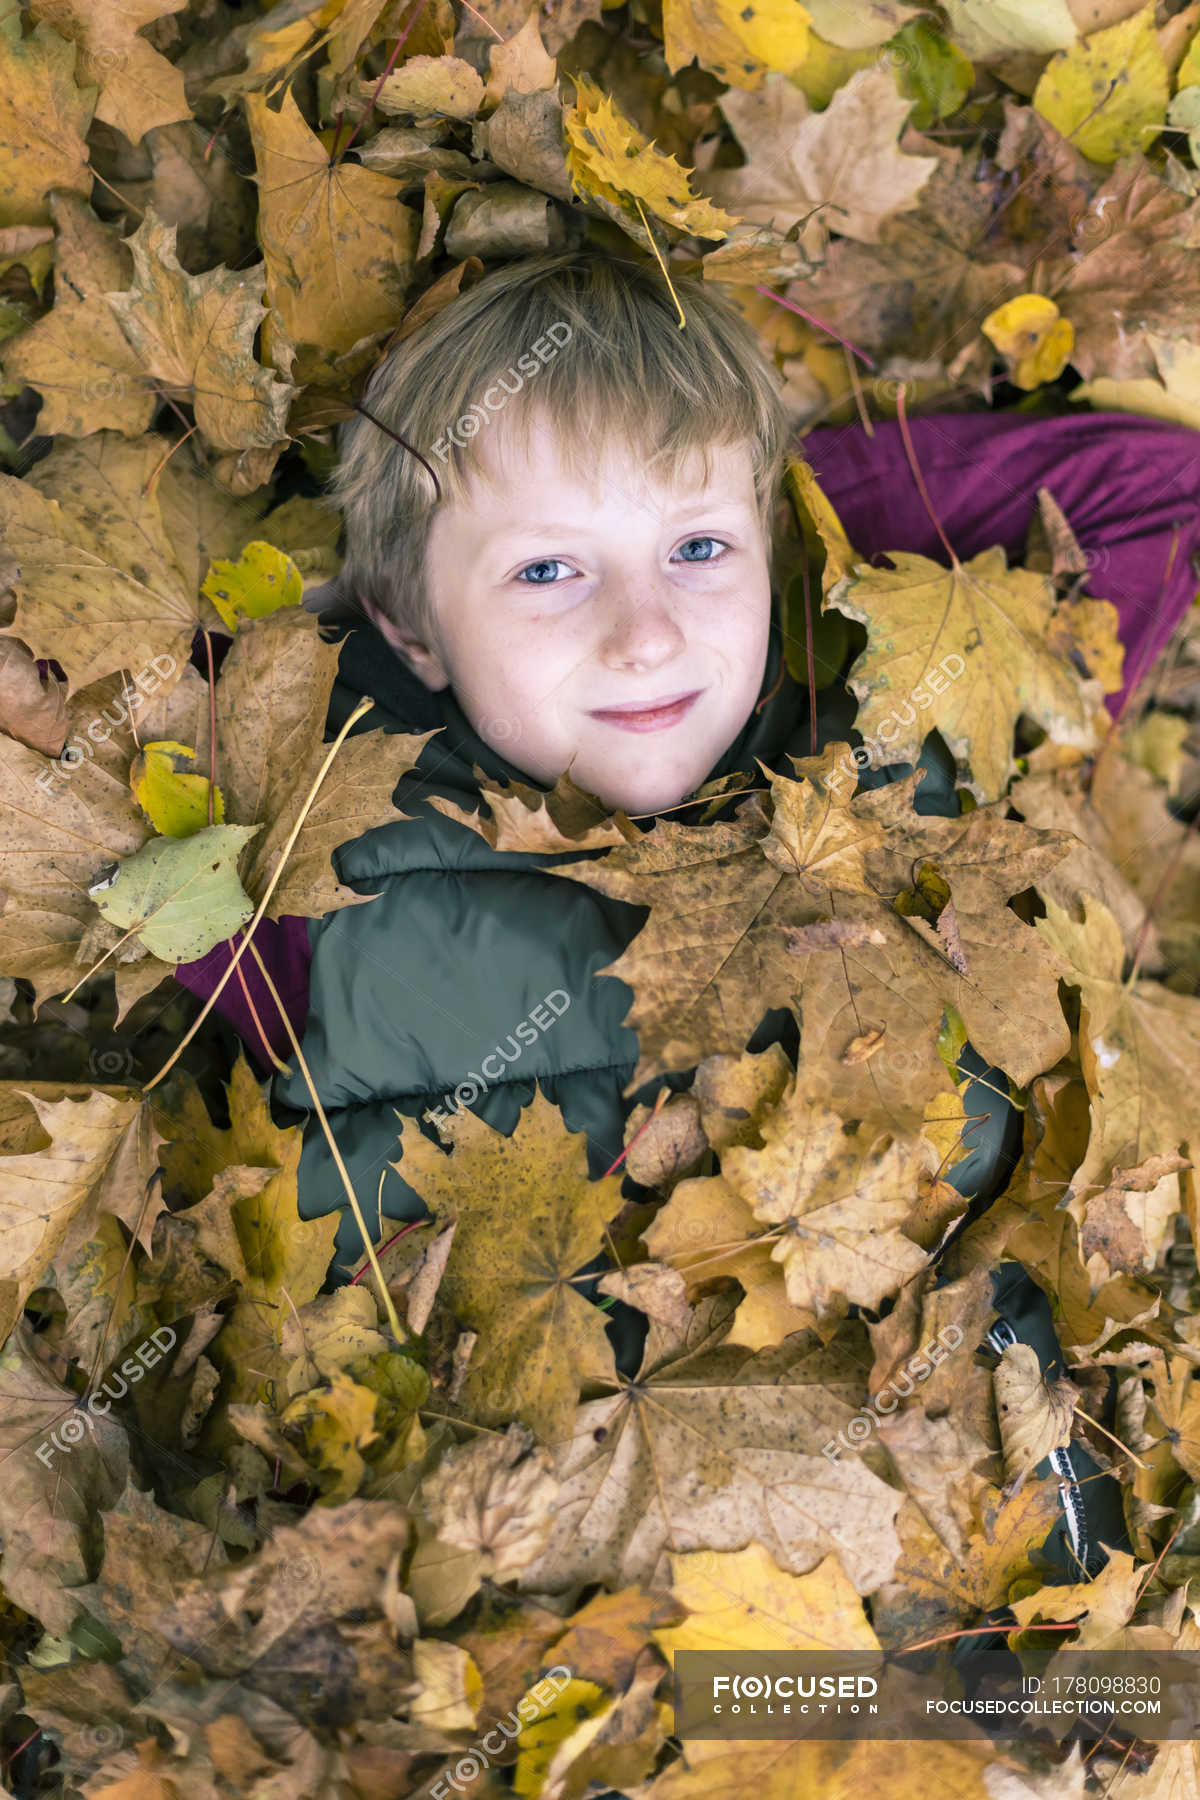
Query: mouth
x=652, y=715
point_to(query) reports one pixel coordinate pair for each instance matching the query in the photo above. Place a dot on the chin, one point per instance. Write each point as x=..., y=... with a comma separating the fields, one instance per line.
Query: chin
x=633, y=798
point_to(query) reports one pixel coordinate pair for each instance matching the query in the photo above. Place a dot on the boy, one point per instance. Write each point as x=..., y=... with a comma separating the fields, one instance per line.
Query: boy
x=587, y=584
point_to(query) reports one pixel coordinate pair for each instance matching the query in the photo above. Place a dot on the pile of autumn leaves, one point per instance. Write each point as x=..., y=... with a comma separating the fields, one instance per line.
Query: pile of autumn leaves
x=311, y=1553
x=334, y=1555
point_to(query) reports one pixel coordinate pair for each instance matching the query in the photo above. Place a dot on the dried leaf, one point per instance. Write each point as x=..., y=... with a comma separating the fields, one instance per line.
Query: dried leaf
x=53, y=1192
x=139, y=88
x=538, y=1338
x=195, y=334
x=1035, y=1415
x=43, y=119
x=796, y=159
x=316, y=216
x=33, y=708
x=77, y=357
x=271, y=705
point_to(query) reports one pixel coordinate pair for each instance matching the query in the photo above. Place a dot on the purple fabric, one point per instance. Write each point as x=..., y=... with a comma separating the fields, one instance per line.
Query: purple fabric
x=1129, y=487
x=283, y=946
x=1124, y=483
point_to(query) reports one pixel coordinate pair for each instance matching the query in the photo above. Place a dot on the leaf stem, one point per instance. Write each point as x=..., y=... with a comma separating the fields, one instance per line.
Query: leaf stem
x=212, y=724
x=379, y=85
x=781, y=300
x=1110, y=1436
x=949, y=1637
x=274, y=1060
x=659, y=1102
x=388, y=1303
x=658, y=258
x=413, y=1225
x=910, y=453
x=364, y=706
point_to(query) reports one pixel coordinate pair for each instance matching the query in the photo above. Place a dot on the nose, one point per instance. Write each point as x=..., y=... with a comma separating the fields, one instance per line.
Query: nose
x=644, y=634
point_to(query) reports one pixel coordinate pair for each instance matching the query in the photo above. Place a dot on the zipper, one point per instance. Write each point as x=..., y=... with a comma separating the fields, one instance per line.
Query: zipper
x=1000, y=1337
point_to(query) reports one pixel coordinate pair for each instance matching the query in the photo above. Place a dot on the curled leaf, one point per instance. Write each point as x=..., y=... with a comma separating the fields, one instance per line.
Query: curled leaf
x=173, y=797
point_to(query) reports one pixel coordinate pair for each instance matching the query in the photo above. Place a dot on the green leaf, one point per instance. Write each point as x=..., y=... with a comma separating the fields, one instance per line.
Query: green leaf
x=180, y=896
x=261, y=581
x=931, y=72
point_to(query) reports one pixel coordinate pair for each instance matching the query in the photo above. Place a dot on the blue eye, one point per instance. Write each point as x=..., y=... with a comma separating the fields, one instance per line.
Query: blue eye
x=702, y=540
x=544, y=562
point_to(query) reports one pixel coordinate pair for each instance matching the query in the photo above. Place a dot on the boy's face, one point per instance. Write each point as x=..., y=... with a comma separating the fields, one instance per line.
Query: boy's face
x=616, y=624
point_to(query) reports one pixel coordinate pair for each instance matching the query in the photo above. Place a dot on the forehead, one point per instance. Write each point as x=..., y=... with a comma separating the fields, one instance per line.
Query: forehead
x=519, y=459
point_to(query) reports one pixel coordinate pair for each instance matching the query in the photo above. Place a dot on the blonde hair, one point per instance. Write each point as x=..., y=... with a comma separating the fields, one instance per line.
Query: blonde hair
x=625, y=371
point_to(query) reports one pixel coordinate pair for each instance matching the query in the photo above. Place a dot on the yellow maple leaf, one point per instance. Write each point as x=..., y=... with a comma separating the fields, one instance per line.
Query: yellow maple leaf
x=743, y=1600
x=538, y=1337
x=316, y=217
x=739, y=40
x=610, y=158
x=1108, y=93
x=286, y=1257
x=43, y=118
x=259, y=582
x=964, y=650
x=139, y=88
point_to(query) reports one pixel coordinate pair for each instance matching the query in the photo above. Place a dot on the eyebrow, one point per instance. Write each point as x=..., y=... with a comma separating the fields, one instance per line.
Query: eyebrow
x=565, y=527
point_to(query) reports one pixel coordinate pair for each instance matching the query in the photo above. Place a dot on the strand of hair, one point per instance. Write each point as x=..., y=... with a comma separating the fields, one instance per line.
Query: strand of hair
x=404, y=443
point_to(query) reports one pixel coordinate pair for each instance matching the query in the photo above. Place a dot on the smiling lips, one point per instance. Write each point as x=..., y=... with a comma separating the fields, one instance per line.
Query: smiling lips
x=655, y=715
